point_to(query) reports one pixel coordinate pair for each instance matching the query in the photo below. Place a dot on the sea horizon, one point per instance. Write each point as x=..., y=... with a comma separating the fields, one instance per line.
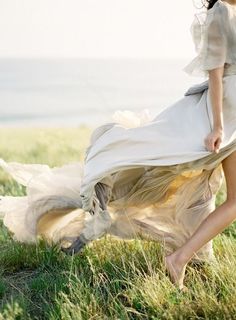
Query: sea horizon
x=54, y=92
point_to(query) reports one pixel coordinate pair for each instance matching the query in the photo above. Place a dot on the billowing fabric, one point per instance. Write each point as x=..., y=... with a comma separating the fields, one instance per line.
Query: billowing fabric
x=214, y=36
x=158, y=179
x=175, y=136
x=162, y=203
x=162, y=181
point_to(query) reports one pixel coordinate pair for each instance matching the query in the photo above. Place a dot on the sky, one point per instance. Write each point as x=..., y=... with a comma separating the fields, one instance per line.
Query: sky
x=96, y=28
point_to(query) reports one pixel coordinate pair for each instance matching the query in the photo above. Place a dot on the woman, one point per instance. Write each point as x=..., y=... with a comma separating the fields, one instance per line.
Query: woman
x=225, y=214
x=157, y=178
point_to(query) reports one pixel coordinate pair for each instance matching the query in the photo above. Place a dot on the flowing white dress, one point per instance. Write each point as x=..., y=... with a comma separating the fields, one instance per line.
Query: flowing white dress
x=161, y=181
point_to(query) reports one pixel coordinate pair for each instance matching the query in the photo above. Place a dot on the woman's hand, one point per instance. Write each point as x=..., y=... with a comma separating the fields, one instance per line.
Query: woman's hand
x=214, y=139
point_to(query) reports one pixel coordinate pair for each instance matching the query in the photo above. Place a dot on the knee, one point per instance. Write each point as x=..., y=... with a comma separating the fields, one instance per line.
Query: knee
x=231, y=202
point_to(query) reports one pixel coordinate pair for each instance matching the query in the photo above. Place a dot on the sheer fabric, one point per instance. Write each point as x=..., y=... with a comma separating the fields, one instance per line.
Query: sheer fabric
x=214, y=36
x=162, y=181
x=160, y=203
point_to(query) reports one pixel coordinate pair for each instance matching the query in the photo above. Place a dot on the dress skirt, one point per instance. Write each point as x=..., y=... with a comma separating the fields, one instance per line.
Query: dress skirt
x=161, y=181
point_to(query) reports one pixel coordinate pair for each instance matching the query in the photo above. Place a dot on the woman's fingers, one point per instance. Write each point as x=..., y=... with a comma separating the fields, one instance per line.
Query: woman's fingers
x=209, y=144
x=217, y=144
x=213, y=141
x=212, y=144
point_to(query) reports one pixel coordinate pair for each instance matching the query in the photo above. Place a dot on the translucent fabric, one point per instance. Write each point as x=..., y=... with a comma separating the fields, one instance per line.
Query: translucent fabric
x=162, y=181
x=162, y=203
x=214, y=36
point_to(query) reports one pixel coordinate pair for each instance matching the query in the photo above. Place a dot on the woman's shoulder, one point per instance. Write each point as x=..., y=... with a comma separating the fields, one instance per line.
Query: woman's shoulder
x=224, y=5
x=221, y=8
x=219, y=11
x=219, y=14
x=210, y=30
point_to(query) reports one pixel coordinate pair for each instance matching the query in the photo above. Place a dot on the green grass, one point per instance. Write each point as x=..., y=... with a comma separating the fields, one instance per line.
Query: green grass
x=110, y=278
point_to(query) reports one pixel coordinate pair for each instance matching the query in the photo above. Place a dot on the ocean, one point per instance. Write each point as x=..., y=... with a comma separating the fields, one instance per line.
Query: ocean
x=74, y=92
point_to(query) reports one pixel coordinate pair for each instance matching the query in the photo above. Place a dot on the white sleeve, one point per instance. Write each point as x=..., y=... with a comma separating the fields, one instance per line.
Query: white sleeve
x=210, y=38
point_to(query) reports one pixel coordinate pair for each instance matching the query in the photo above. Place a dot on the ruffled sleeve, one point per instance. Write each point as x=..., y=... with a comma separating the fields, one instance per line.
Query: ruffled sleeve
x=210, y=39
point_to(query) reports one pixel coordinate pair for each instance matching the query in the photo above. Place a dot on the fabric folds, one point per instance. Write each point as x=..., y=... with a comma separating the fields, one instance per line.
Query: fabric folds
x=211, y=32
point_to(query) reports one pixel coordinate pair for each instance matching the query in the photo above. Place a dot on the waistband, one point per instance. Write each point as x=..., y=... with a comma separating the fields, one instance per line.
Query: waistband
x=229, y=69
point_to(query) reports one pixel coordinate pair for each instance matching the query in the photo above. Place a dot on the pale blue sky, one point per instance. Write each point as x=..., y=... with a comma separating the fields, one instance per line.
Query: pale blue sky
x=96, y=28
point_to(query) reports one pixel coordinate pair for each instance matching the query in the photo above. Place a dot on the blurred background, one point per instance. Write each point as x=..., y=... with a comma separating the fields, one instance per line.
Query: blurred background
x=71, y=63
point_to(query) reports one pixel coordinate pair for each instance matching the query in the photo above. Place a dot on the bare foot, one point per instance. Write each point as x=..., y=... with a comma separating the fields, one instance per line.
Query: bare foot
x=175, y=271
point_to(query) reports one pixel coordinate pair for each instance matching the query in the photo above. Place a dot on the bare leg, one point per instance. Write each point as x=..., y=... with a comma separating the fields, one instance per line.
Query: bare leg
x=215, y=223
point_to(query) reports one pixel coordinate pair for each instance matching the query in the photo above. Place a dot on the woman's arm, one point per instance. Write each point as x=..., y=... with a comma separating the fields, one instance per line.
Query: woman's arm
x=214, y=139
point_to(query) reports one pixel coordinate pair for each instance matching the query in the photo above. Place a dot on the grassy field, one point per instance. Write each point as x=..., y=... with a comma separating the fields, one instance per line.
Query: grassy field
x=110, y=279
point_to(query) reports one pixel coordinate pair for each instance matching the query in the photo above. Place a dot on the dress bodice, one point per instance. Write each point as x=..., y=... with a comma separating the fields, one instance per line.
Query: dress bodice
x=214, y=37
